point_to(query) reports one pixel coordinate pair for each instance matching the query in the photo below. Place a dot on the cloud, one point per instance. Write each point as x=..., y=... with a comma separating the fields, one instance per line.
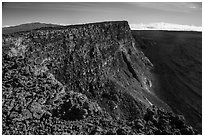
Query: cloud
x=165, y=26
x=91, y=6
x=171, y=6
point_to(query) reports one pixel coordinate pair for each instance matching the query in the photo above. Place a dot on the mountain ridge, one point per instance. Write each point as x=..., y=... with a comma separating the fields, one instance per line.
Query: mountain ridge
x=150, y=26
x=74, y=76
x=26, y=27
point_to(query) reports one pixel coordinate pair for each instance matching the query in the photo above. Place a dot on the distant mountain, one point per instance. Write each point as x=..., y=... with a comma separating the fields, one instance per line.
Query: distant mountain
x=165, y=26
x=26, y=27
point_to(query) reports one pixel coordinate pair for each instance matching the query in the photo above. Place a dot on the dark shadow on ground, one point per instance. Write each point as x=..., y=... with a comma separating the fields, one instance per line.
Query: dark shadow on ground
x=177, y=59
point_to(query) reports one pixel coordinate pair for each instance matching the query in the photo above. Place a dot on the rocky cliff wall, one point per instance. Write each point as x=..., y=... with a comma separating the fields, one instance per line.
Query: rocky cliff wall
x=56, y=76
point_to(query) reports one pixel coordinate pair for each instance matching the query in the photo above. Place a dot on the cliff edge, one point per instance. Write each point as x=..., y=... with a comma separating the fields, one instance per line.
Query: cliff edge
x=81, y=79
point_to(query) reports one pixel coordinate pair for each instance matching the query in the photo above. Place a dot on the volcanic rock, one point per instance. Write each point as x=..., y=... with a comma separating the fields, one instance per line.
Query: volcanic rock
x=57, y=80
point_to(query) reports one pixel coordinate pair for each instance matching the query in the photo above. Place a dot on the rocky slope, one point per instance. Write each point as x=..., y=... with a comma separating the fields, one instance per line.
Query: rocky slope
x=81, y=79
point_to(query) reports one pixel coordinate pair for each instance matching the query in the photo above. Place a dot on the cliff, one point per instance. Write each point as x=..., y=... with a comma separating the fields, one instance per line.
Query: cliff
x=80, y=79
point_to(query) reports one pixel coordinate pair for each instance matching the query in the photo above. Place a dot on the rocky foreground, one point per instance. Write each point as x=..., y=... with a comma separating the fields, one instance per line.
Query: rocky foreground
x=82, y=79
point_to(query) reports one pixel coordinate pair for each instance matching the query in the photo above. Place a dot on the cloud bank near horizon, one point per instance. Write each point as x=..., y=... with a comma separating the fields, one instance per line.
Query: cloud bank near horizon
x=165, y=26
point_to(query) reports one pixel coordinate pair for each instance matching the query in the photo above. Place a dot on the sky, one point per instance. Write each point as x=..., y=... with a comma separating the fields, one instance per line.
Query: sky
x=15, y=13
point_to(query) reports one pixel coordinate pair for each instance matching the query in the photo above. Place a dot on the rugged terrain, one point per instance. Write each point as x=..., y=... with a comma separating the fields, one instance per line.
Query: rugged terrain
x=81, y=79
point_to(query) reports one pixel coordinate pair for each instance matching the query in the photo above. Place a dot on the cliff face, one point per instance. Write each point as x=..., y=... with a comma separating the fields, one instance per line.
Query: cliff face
x=54, y=77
